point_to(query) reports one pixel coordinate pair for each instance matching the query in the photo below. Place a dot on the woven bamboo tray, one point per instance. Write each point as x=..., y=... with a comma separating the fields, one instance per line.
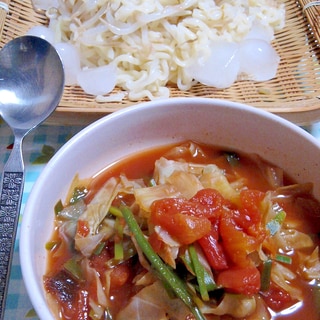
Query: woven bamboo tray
x=294, y=94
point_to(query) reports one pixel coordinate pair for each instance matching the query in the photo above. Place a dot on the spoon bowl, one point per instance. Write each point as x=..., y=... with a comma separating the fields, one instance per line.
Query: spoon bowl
x=31, y=82
x=31, y=86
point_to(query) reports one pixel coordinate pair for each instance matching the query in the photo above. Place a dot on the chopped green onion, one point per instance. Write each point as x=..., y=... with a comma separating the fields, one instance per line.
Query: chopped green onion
x=99, y=248
x=283, y=258
x=58, y=207
x=51, y=245
x=152, y=182
x=200, y=273
x=232, y=158
x=74, y=268
x=275, y=224
x=266, y=275
x=78, y=193
x=118, y=239
x=129, y=251
x=115, y=211
x=163, y=271
x=118, y=251
x=208, y=279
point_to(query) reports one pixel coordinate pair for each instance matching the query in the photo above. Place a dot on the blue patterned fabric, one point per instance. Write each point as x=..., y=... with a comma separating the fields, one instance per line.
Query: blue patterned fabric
x=18, y=304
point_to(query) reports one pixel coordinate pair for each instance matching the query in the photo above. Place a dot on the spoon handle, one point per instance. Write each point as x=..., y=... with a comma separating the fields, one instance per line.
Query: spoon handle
x=10, y=203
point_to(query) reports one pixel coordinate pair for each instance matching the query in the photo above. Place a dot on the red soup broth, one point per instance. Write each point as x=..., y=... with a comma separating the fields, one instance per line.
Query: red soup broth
x=304, y=213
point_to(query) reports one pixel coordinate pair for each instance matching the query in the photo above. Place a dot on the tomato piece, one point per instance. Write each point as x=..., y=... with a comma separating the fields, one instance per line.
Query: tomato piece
x=181, y=218
x=236, y=243
x=240, y=280
x=276, y=298
x=119, y=275
x=250, y=217
x=213, y=200
x=213, y=250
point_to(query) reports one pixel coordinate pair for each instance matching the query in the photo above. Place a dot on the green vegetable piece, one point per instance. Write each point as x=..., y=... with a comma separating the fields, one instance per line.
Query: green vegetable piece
x=115, y=211
x=232, y=158
x=78, y=193
x=118, y=241
x=74, y=268
x=163, y=271
x=58, y=207
x=266, y=275
x=152, y=182
x=99, y=248
x=118, y=251
x=200, y=273
x=51, y=245
x=284, y=259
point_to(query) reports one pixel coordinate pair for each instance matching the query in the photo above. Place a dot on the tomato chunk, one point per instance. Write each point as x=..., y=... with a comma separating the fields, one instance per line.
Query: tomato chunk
x=119, y=275
x=276, y=298
x=240, y=280
x=236, y=243
x=213, y=250
x=181, y=218
x=213, y=200
x=250, y=202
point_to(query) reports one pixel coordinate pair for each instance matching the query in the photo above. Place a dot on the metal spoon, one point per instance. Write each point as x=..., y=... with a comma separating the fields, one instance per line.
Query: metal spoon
x=31, y=85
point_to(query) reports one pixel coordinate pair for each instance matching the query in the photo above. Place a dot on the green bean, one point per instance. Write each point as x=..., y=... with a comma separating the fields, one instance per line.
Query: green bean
x=200, y=273
x=163, y=271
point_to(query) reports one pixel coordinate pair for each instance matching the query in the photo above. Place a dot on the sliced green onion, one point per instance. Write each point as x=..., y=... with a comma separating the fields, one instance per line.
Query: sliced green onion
x=266, y=275
x=74, y=268
x=208, y=279
x=284, y=259
x=115, y=211
x=200, y=273
x=78, y=193
x=58, y=207
x=99, y=248
x=51, y=245
x=163, y=271
x=129, y=251
x=152, y=182
x=118, y=239
x=232, y=158
x=118, y=251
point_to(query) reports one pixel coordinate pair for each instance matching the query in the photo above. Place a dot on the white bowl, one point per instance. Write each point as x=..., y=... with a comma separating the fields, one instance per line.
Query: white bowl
x=149, y=124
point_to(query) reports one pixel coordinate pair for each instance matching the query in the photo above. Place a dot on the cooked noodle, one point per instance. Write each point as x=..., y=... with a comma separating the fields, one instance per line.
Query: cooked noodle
x=152, y=42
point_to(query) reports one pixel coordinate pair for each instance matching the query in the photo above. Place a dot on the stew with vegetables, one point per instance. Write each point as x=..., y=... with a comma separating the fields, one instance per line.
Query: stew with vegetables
x=186, y=231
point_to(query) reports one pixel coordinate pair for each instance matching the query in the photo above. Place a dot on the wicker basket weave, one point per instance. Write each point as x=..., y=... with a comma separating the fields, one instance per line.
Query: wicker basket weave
x=294, y=92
